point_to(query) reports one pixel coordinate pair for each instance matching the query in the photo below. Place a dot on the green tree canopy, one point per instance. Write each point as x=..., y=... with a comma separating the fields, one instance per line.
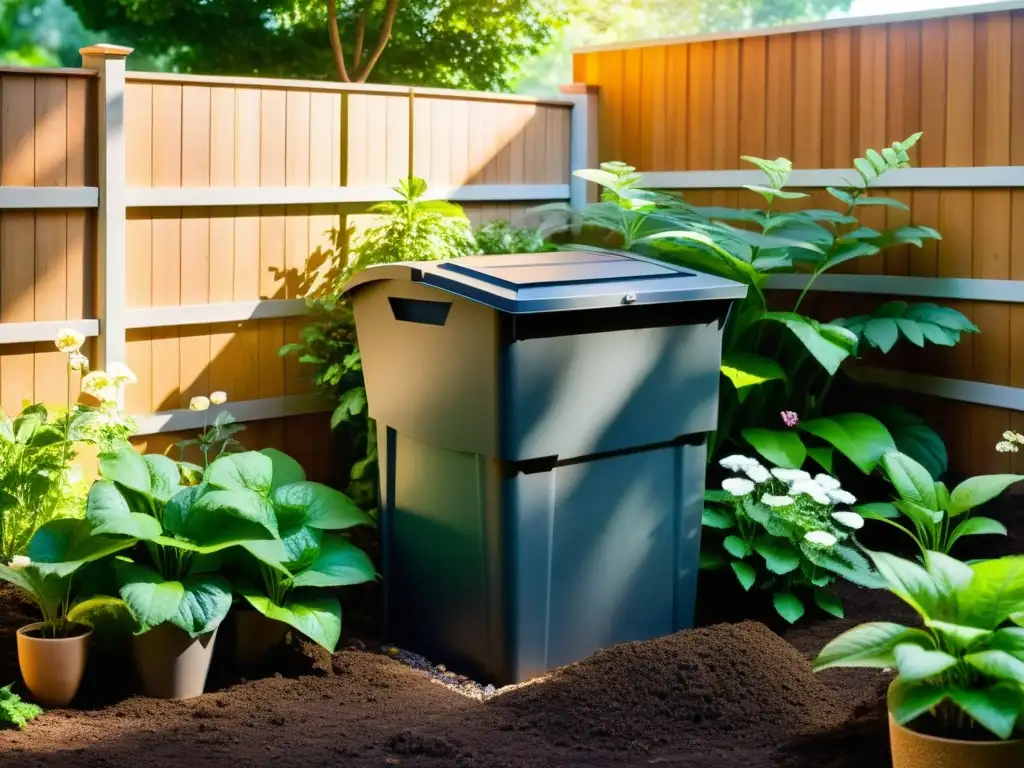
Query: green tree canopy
x=457, y=43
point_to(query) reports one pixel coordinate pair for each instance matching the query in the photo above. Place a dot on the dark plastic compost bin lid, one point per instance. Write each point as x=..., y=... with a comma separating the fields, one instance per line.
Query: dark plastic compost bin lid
x=557, y=281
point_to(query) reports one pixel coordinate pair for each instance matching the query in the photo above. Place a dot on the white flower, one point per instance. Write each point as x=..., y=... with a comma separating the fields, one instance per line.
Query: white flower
x=1013, y=437
x=100, y=385
x=849, y=519
x=69, y=340
x=790, y=475
x=199, y=403
x=19, y=561
x=738, y=463
x=122, y=374
x=218, y=397
x=810, y=488
x=842, y=497
x=1006, y=447
x=78, y=362
x=827, y=482
x=757, y=473
x=821, y=538
x=738, y=486
x=776, y=501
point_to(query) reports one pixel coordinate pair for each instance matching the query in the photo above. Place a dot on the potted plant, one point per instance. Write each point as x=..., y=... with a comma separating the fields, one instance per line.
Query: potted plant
x=280, y=579
x=958, y=698
x=52, y=653
x=171, y=582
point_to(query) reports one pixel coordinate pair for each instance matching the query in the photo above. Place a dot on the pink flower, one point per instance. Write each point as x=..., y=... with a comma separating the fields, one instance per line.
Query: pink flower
x=790, y=418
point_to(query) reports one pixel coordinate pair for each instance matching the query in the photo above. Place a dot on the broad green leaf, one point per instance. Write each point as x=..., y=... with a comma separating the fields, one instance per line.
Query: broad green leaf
x=846, y=562
x=942, y=494
x=242, y=471
x=770, y=194
x=870, y=645
x=727, y=263
x=908, y=701
x=62, y=546
x=908, y=581
x=292, y=552
x=1017, y=618
x=164, y=476
x=320, y=506
x=880, y=510
x=996, y=709
x=717, y=494
x=916, y=439
x=108, y=616
x=736, y=546
x=866, y=169
x=910, y=141
x=830, y=345
x=978, y=490
x=847, y=251
x=994, y=594
x=829, y=603
x=958, y=635
x=151, y=599
x=926, y=519
x=745, y=573
x=863, y=439
x=339, y=564
x=788, y=606
x=949, y=574
x=756, y=511
x=998, y=665
x=205, y=602
x=926, y=313
x=886, y=201
x=318, y=618
x=783, y=448
x=284, y=470
x=747, y=370
x=219, y=519
x=911, y=330
x=1010, y=639
x=915, y=663
x=876, y=160
x=882, y=332
x=912, y=481
x=975, y=526
x=108, y=513
x=841, y=195
x=780, y=556
x=823, y=455
x=602, y=178
x=718, y=517
x=47, y=589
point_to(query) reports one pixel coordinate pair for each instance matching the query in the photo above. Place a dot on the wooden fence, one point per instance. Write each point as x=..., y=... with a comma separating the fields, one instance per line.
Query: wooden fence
x=177, y=221
x=684, y=111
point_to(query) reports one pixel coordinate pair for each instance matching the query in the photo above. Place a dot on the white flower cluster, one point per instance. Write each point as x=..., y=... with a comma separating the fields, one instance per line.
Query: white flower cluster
x=105, y=386
x=1010, y=442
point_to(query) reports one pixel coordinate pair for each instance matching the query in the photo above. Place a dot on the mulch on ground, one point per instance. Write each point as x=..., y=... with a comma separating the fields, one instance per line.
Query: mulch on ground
x=734, y=693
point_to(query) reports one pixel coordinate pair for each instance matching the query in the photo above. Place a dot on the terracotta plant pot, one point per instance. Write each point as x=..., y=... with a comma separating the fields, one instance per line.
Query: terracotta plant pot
x=172, y=665
x=52, y=668
x=256, y=637
x=916, y=750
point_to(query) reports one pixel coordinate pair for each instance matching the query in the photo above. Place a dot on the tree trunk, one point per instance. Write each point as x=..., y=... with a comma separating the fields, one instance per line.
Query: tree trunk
x=360, y=69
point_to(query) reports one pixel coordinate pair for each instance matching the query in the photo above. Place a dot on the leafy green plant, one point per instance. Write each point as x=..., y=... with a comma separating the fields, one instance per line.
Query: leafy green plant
x=783, y=531
x=283, y=578
x=963, y=672
x=173, y=575
x=937, y=517
x=15, y=713
x=496, y=237
x=782, y=360
x=54, y=575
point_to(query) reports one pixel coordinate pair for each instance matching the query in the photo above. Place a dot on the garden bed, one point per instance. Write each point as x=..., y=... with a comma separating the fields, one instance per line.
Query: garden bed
x=729, y=694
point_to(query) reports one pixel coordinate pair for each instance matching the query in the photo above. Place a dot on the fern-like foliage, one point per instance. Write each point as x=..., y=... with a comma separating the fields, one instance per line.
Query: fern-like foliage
x=15, y=713
x=917, y=323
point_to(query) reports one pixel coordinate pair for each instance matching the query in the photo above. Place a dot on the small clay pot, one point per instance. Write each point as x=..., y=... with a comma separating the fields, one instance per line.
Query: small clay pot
x=171, y=664
x=52, y=667
x=256, y=637
x=917, y=750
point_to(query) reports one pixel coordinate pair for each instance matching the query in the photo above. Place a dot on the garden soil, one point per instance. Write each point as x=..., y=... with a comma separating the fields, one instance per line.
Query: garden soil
x=731, y=694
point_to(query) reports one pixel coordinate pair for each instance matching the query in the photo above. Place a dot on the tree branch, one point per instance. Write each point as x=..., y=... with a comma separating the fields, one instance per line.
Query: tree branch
x=357, y=55
x=390, y=11
x=336, y=49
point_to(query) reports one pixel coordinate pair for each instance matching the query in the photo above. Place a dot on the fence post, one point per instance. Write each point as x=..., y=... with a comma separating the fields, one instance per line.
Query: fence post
x=109, y=63
x=583, y=151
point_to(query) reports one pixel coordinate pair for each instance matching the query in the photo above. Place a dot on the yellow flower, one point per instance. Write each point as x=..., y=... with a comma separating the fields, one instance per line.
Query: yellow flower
x=199, y=403
x=218, y=397
x=122, y=374
x=100, y=385
x=78, y=362
x=69, y=340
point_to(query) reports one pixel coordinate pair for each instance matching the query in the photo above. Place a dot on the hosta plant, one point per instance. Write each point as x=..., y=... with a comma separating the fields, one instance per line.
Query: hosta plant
x=284, y=579
x=775, y=358
x=173, y=575
x=786, y=532
x=961, y=674
x=927, y=511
